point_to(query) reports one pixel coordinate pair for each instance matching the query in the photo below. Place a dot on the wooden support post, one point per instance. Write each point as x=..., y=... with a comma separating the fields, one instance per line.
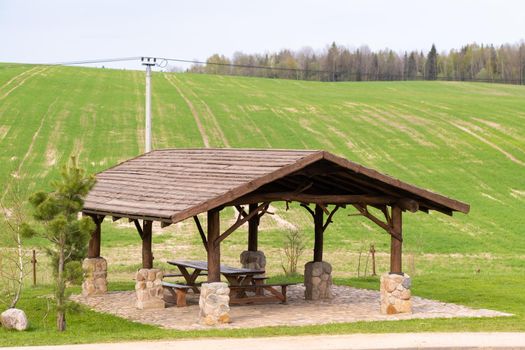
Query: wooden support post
x=94, y=241
x=318, y=227
x=214, y=251
x=395, y=241
x=253, y=227
x=33, y=262
x=373, y=252
x=147, y=253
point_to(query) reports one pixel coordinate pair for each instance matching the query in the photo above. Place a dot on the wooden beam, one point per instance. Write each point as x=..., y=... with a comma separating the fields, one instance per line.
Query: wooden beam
x=363, y=210
x=130, y=217
x=318, y=229
x=305, y=206
x=165, y=224
x=241, y=210
x=395, y=243
x=325, y=209
x=147, y=253
x=253, y=229
x=139, y=228
x=241, y=220
x=116, y=218
x=201, y=232
x=329, y=218
x=214, y=250
x=408, y=204
x=94, y=241
x=313, y=198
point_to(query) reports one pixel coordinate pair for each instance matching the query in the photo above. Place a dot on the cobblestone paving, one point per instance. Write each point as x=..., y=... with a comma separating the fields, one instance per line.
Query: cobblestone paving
x=349, y=305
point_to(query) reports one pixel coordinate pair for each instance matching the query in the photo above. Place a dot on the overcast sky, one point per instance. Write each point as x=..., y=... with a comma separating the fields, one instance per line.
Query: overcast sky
x=60, y=30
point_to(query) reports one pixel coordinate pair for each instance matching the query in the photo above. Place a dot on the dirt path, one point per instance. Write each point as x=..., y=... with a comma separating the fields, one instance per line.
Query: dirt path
x=323, y=342
x=198, y=121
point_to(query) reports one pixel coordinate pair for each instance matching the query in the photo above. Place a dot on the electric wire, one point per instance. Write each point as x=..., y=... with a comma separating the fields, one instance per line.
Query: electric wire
x=354, y=76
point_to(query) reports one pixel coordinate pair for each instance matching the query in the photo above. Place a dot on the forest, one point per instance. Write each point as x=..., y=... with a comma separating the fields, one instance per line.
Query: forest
x=472, y=62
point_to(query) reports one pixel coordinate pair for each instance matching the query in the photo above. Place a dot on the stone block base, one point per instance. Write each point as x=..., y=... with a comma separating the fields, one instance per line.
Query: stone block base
x=149, y=289
x=395, y=294
x=318, y=280
x=253, y=260
x=214, y=304
x=95, y=276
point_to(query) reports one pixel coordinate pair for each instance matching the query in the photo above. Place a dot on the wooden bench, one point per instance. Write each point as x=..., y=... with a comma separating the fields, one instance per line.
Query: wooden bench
x=179, y=291
x=181, y=275
x=275, y=295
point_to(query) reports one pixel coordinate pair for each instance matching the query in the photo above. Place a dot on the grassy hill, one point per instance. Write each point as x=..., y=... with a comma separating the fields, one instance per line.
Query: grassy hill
x=464, y=140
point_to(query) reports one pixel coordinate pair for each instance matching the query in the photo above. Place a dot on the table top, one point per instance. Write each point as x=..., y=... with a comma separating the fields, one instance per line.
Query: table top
x=225, y=270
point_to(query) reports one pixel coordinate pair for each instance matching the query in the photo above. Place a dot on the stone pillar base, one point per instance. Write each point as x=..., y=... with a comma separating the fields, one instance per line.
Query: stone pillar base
x=395, y=294
x=95, y=276
x=149, y=289
x=253, y=260
x=214, y=304
x=318, y=280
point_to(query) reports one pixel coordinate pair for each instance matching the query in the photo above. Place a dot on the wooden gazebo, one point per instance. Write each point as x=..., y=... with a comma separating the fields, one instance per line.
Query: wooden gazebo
x=172, y=185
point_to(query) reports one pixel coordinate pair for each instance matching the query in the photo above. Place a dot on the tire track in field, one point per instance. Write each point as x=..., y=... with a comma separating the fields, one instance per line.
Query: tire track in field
x=16, y=173
x=205, y=139
x=22, y=82
x=16, y=77
x=488, y=143
x=213, y=119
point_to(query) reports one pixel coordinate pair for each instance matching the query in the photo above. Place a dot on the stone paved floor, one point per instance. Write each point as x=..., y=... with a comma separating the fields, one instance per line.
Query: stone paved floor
x=349, y=305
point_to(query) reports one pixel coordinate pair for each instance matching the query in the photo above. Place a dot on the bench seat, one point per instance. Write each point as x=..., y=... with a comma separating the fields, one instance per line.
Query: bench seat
x=237, y=295
x=179, y=291
x=259, y=288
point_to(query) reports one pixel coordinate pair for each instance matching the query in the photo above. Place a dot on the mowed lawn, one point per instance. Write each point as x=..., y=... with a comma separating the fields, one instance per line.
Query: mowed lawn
x=464, y=140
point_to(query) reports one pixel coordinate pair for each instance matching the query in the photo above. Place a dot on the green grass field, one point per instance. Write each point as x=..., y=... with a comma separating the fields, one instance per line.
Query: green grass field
x=464, y=140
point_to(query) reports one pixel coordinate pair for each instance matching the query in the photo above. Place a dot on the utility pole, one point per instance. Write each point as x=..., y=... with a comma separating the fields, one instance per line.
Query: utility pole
x=148, y=62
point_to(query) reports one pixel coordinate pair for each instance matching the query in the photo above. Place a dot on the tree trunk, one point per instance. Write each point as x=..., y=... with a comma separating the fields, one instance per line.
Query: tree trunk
x=61, y=321
x=20, y=267
x=60, y=292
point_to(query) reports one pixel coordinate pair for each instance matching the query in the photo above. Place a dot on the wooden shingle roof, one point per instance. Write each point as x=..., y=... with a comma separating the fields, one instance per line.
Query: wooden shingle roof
x=171, y=185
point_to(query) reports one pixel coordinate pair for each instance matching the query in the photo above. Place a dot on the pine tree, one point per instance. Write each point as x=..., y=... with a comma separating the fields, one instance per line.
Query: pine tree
x=57, y=211
x=405, y=66
x=431, y=64
x=412, y=66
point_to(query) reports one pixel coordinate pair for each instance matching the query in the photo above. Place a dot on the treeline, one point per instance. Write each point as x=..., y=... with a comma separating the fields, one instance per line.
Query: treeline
x=473, y=62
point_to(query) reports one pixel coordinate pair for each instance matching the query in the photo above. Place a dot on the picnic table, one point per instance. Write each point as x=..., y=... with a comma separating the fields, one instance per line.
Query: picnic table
x=240, y=280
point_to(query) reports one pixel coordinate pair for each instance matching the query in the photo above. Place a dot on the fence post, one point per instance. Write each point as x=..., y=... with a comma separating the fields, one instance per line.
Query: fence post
x=33, y=261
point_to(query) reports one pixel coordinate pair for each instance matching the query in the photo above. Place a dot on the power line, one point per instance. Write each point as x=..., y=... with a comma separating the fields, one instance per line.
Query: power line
x=342, y=75
x=100, y=60
x=166, y=59
x=235, y=65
